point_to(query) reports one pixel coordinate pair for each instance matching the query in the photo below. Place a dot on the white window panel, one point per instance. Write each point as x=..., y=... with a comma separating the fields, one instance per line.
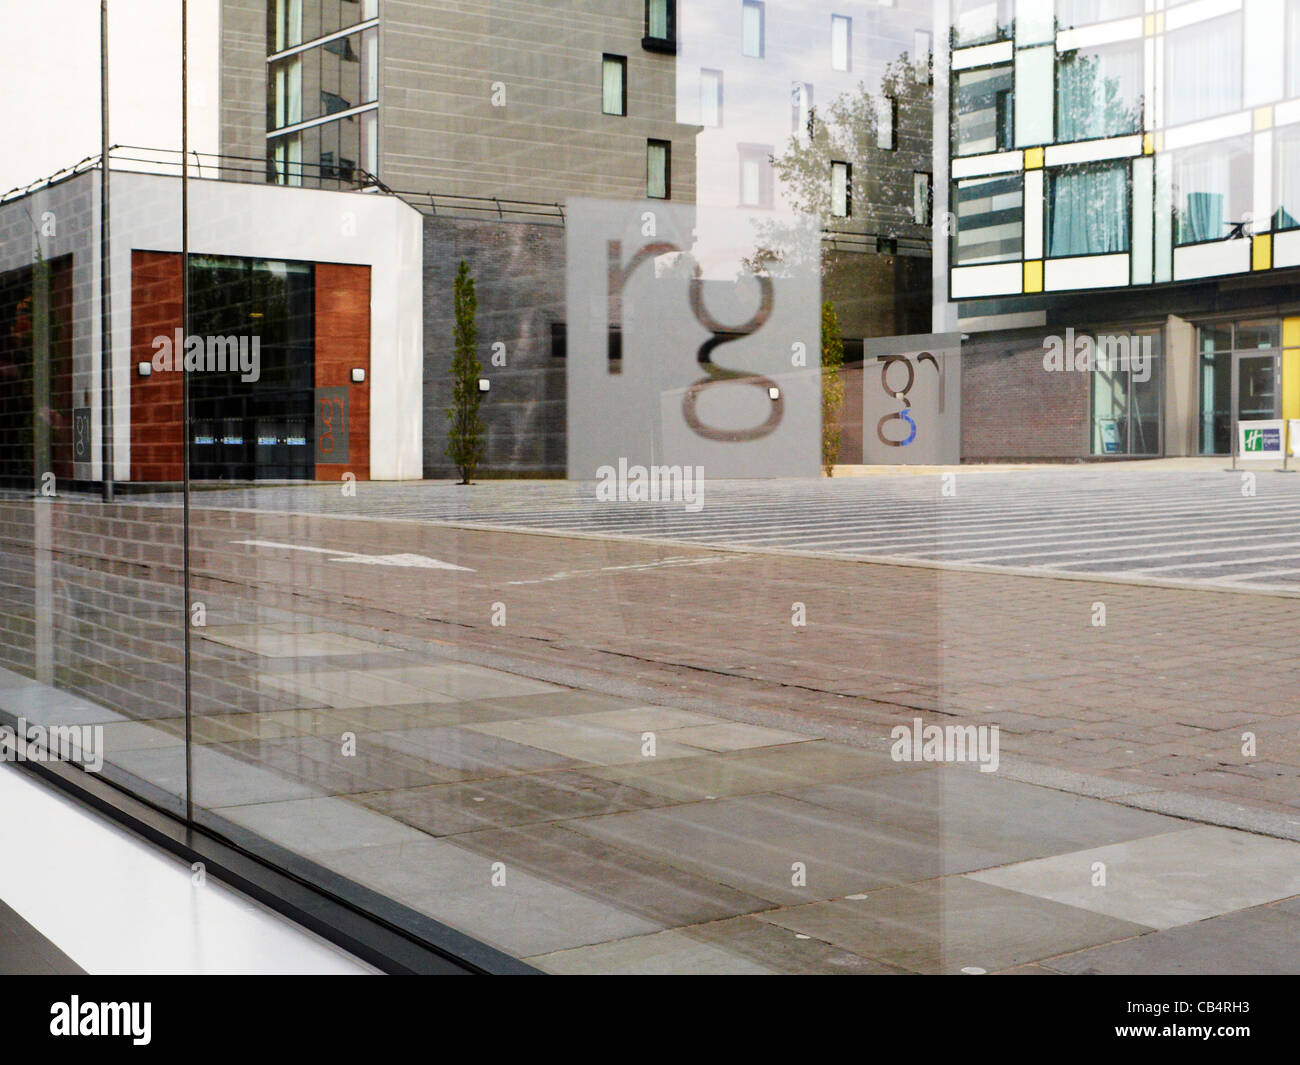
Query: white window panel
x=1212, y=260
x=982, y=55
x=982, y=165
x=997, y=279
x=1143, y=219
x=1103, y=33
x=1035, y=95
x=1212, y=129
x=1035, y=22
x=1198, y=11
x=1095, y=151
x=1086, y=271
x=1265, y=37
x=1033, y=214
x=1286, y=248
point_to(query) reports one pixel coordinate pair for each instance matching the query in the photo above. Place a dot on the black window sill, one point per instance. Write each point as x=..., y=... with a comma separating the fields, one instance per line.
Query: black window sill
x=663, y=45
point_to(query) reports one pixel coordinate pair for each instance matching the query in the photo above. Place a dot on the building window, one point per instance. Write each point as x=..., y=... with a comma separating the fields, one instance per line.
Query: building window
x=841, y=190
x=755, y=175
x=990, y=220
x=1203, y=70
x=1088, y=210
x=886, y=122
x=658, y=169
x=286, y=90
x=1099, y=92
x=922, y=198
x=984, y=115
x=980, y=21
x=286, y=27
x=801, y=110
x=1126, y=394
x=1212, y=191
x=841, y=42
x=710, y=98
x=1293, y=48
x=613, y=85
x=286, y=160
x=752, y=29
x=1071, y=13
x=1286, y=164
x=660, y=25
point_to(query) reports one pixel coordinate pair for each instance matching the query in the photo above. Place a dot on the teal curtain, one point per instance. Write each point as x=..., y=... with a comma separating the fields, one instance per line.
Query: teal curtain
x=1088, y=211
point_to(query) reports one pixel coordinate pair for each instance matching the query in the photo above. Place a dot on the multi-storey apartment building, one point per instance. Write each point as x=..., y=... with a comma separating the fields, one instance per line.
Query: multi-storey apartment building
x=1123, y=174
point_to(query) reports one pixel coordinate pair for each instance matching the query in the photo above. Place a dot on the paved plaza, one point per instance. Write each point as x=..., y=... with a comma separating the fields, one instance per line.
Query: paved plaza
x=453, y=711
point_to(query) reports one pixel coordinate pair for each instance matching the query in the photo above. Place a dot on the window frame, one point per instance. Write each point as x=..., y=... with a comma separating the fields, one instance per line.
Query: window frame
x=760, y=7
x=846, y=167
x=667, y=43
x=608, y=60
x=847, y=20
x=667, y=146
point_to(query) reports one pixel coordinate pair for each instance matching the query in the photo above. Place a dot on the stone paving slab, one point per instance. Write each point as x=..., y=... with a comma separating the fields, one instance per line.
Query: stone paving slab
x=945, y=926
x=1164, y=880
x=739, y=946
x=525, y=917
x=1259, y=941
x=974, y=821
x=634, y=883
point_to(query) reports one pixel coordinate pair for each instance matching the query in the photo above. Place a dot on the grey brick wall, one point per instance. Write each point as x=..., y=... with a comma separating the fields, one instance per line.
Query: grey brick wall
x=518, y=271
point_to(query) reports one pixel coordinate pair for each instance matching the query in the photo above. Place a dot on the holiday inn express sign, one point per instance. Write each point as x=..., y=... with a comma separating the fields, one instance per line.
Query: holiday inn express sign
x=681, y=352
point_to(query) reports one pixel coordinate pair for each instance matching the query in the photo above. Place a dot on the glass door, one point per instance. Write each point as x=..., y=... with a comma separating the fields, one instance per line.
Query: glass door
x=1255, y=390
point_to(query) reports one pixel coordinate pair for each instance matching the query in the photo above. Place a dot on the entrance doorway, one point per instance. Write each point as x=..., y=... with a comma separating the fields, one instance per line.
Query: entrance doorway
x=1256, y=390
x=1240, y=378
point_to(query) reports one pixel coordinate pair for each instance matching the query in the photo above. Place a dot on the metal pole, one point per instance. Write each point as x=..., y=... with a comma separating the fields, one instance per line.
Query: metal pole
x=185, y=404
x=105, y=305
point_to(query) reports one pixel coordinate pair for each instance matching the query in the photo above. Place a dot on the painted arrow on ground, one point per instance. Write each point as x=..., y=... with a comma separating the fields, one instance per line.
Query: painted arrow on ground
x=405, y=559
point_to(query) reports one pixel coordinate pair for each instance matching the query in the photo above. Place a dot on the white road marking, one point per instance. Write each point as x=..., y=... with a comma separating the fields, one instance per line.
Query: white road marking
x=406, y=559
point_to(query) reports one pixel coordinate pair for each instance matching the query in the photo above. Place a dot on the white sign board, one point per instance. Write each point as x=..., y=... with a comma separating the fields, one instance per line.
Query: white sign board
x=1293, y=437
x=1260, y=439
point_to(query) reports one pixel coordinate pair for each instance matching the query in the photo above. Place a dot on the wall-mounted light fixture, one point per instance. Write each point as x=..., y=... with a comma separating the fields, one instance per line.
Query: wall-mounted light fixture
x=484, y=384
x=358, y=375
x=144, y=369
x=774, y=393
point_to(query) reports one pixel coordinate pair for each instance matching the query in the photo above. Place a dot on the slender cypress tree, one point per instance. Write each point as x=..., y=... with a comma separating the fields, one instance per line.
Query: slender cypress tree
x=832, y=387
x=465, y=432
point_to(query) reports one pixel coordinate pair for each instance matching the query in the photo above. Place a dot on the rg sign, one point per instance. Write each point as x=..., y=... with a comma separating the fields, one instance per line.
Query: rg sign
x=679, y=351
x=904, y=415
x=911, y=399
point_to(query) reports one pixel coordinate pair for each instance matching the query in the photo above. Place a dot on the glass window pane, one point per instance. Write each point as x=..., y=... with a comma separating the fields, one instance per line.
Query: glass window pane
x=990, y=220
x=1213, y=190
x=751, y=41
x=1099, y=92
x=983, y=110
x=1087, y=210
x=657, y=170
x=841, y=30
x=614, y=71
x=1203, y=70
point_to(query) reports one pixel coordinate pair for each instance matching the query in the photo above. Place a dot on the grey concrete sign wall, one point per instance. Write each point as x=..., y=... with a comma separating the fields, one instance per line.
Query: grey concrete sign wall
x=679, y=353
x=911, y=400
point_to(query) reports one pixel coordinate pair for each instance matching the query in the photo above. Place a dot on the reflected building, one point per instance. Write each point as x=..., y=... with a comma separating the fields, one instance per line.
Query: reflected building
x=1123, y=175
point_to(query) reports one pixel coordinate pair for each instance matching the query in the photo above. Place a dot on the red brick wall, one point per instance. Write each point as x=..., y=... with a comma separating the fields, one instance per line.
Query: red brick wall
x=342, y=343
x=1012, y=408
x=157, y=436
